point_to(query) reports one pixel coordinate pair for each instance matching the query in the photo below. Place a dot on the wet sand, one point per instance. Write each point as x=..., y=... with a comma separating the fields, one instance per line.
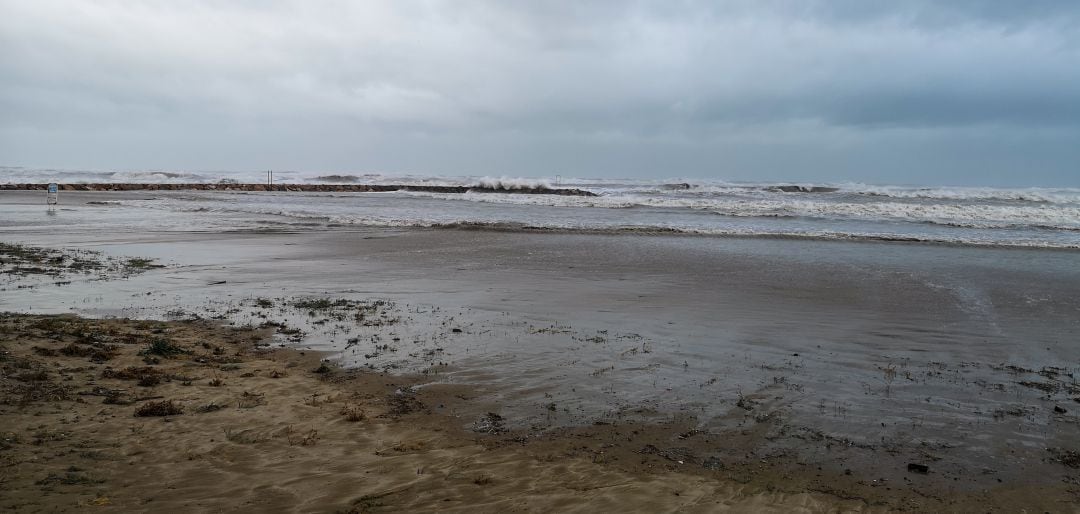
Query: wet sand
x=819, y=375
x=278, y=430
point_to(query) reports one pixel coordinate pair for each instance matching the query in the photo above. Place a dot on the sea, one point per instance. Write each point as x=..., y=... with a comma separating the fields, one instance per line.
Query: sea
x=1036, y=217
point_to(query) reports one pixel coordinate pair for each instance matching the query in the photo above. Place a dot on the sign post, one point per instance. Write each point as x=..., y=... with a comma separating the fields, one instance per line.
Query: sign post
x=53, y=196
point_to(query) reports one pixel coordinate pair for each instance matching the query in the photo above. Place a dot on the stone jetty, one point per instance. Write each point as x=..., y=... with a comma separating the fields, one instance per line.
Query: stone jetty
x=305, y=188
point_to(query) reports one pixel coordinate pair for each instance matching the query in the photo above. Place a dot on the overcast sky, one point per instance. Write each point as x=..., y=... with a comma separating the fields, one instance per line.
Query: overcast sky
x=947, y=92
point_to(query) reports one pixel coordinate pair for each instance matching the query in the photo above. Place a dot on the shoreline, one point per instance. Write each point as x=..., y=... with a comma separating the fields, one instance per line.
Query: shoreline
x=102, y=199
x=663, y=231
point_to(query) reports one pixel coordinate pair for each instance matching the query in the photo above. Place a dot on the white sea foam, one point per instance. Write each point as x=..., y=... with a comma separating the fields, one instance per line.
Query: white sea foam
x=1032, y=226
x=512, y=183
x=1029, y=194
x=780, y=205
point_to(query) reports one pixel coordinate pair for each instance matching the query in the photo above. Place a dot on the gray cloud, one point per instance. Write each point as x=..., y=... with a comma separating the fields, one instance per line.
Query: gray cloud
x=972, y=91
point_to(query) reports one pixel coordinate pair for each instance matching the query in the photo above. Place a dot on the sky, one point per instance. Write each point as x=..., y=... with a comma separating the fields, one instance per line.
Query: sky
x=962, y=92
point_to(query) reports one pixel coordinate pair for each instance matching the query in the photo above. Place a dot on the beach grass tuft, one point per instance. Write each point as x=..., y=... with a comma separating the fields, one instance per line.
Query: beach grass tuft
x=163, y=347
x=162, y=408
x=353, y=413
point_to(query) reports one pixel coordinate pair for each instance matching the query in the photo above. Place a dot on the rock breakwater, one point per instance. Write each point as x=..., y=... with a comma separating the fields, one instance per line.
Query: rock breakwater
x=306, y=188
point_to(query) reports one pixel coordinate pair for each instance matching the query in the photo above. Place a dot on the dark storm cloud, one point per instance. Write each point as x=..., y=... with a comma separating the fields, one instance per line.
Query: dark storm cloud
x=936, y=13
x=573, y=86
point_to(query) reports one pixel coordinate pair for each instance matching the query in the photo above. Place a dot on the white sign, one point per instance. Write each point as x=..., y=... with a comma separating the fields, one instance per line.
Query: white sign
x=54, y=194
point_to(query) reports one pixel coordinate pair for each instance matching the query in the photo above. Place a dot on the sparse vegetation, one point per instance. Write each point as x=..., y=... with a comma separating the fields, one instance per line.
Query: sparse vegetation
x=97, y=352
x=23, y=393
x=163, y=347
x=247, y=436
x=1069, y=458
x=372, y=313
x=162, y=408
x=17, y=260
x=403, y=403
x=320, y=304
x=250, y=400
x=482, y=480
x=490, y=423
x=210, y=407
x=353, y=413
x=138, y=263
x=308, y=438
x=1046, y=387
x=68, y=478
x=132, y=373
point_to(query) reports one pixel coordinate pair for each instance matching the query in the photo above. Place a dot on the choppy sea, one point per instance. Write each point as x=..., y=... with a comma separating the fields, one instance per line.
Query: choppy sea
x=1029, y=217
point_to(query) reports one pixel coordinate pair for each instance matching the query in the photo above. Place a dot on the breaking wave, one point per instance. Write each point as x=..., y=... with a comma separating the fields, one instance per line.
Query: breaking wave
x=968, y=214
x=511, y=183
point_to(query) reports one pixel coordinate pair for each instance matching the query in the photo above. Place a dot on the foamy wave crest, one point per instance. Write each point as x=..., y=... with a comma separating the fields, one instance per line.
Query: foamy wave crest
x=1025, y=227
x=17, y=175
x=380, y=179
x=157, y=177
x=1030, y=194
x=965, y=215
x=608, y=202
x=512, y=183
x=1043, y=216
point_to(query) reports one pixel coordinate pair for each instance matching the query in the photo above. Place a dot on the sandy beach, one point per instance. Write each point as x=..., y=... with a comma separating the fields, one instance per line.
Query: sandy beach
x=316, y=369
x=278, y=430
x=191, y=416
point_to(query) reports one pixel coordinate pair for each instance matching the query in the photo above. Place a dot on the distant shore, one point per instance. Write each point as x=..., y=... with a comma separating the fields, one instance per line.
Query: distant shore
x=306, y=188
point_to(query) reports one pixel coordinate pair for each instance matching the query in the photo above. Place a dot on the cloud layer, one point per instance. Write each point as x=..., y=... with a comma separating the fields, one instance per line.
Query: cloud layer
x=910, y=91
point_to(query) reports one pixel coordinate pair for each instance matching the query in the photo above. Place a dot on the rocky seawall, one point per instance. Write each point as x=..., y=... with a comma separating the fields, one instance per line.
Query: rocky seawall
x=307, y=188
